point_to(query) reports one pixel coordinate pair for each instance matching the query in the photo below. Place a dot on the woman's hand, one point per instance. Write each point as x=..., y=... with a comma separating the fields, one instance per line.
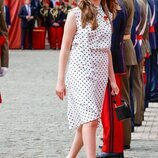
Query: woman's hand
x=115, y=89
x=61, y=89
x=69, y=33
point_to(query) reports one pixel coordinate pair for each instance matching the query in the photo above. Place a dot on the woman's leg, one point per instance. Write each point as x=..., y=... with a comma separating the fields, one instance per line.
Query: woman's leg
x=77, y=144
x=89, y=138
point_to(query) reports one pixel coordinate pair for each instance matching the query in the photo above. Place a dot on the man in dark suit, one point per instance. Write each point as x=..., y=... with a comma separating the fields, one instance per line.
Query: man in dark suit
x=27, y=14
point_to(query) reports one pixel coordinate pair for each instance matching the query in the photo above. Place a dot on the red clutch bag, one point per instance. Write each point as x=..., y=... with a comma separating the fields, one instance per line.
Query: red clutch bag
x=2, y=40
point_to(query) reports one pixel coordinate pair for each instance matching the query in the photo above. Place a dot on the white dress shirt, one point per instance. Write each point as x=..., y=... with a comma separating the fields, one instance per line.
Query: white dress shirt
x=28, y=8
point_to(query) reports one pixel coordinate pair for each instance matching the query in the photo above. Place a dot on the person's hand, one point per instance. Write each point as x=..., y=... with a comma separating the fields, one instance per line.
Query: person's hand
x=27, y=17
x=55, y=24
x=61, y=89
x=115, y=89
x=3, y=71
x=31, y=17
x=9, y=26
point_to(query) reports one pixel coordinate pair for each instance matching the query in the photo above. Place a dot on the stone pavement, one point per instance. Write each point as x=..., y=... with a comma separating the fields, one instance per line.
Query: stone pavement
x=33, y=122
x=145, y=138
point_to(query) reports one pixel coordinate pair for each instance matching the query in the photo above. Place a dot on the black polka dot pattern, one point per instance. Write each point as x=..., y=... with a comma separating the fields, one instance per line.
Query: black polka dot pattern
x=87, y=74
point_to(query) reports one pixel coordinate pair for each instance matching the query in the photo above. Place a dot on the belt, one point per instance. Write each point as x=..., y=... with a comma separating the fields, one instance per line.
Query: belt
x=139, y=37
x=2, y=40
x=151, y=29
x=147, y=55
x=126, y=37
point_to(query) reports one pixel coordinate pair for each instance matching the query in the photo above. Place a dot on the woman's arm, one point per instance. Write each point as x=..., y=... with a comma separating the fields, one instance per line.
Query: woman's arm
x=115, y=89
x=69, y=32
x=111, y=69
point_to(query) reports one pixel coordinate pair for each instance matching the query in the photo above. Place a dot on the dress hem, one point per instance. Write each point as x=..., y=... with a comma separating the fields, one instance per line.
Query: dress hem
x=78, y=125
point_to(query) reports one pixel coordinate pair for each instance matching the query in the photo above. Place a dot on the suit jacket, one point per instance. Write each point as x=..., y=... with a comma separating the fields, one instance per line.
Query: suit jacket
x=130, y=54
x=35, y=4
x=4, y=59
x=142, y=27
x=152, y=35
x=136, y=22
x=119, y=25
x=146, y=32
x=156, y=22
x=7, y=15
x=25, y=24
x=135, y=32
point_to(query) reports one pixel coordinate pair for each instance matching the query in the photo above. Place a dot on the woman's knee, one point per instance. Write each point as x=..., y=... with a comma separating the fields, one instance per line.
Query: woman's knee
x=92, y=124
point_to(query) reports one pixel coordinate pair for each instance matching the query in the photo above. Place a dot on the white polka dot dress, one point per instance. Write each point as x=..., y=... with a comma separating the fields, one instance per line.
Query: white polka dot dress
x=87, y=73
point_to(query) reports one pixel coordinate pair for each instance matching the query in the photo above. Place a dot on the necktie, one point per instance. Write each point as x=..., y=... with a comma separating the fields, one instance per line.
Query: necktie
x=29, y=10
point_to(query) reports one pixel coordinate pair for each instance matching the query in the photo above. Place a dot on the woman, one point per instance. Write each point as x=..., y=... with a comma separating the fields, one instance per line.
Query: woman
x=88, y=34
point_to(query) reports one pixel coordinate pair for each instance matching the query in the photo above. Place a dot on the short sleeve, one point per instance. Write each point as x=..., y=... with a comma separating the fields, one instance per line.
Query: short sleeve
x=77, y=12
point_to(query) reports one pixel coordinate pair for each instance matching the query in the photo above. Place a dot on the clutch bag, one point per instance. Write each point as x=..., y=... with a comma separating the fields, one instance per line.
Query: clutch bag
x=123, y=111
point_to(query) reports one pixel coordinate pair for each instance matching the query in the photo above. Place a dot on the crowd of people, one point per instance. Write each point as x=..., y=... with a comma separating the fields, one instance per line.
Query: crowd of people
x=50, y=14
x=47, y=14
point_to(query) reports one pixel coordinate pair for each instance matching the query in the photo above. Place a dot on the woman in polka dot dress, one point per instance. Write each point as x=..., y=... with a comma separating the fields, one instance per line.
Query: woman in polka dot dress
x=88, y=35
